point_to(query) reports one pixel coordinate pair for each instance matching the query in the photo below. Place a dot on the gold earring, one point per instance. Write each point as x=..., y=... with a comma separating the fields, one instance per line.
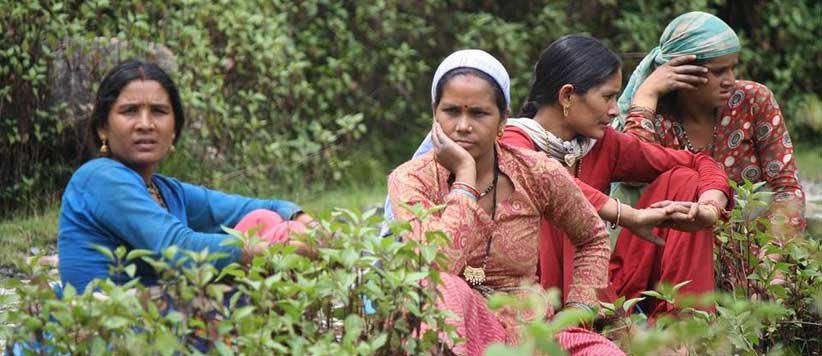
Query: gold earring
x=173, y=148
x=103, y=147
x=565, y=110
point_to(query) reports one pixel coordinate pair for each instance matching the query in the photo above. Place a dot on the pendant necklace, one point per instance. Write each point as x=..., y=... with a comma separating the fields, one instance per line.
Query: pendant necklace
x=476, y=275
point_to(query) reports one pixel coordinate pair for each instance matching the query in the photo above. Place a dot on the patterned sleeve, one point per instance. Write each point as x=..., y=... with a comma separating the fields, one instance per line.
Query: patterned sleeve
x=459, y=219
x=641, y=125
x=564, y=205
x=774, y=151
x=642, y=162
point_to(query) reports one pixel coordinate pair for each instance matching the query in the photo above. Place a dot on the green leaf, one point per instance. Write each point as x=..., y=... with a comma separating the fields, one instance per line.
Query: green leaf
x=130, y=270
x=115, y=322
x=243, y=312
x=135, y=254
x=105, y=251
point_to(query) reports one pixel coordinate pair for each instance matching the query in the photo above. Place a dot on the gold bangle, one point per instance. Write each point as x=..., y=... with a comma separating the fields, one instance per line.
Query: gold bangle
x=615, y=224
x=642, y=109
x=467, y=187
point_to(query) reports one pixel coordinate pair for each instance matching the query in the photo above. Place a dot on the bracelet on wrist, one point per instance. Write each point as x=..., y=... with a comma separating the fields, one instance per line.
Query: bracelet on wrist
x=467, y=187
x=464, y=192
x=721, y=213
x=645, y=111
x=615, y=224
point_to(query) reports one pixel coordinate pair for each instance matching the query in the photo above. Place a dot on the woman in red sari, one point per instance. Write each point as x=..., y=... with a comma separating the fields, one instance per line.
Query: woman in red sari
x=494, y=196
x=566, y=117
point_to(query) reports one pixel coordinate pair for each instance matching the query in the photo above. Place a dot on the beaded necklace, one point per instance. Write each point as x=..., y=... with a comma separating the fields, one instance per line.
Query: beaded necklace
x=683, y=136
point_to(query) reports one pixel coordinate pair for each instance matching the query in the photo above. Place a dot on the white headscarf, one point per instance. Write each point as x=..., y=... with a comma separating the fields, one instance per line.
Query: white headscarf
x=466, y=58
x=474, y=59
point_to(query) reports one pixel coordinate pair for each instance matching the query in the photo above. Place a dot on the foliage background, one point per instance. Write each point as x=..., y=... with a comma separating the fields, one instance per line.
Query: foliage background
x=316, y=93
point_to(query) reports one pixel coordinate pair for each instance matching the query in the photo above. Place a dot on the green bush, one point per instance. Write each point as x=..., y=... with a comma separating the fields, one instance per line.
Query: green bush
x=754, y=318
x=282, y=303
x=282, y=91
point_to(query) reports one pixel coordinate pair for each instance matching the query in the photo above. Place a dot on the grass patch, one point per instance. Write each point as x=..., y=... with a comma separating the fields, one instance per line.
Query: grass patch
x=19, y=234
x=809, y=160
x=353, y=198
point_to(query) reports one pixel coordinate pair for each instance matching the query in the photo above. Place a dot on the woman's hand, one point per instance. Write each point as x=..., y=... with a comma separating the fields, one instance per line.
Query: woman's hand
x=698, y=216
x=453, y=157
x=675, y=75
x=641, y=222
x=306, y=220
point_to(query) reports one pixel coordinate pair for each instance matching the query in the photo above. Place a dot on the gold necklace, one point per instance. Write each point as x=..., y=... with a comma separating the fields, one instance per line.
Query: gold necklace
x=155, y=193
x=475, y=276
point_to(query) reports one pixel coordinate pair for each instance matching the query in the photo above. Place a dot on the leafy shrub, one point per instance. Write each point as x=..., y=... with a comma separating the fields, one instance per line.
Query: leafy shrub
x=755, y=318
x=282, y=303
x=285, y=91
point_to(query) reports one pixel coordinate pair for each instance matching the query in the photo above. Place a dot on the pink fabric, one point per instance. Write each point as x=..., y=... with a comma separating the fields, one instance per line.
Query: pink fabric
x=480, y=327
x=270, y=225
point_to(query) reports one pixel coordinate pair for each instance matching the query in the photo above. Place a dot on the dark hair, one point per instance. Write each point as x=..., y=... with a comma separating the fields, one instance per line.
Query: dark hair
x=499, y=96
x=114, y=82
x=581, y=61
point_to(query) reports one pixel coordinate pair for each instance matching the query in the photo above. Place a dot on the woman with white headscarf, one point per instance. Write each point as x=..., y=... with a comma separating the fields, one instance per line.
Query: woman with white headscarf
x=495, y=196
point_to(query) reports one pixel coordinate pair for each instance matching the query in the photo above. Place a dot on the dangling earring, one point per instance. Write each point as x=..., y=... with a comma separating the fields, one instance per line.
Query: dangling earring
x=103, y=147
x=500, y=133
x=172, y=149
x=565, y=110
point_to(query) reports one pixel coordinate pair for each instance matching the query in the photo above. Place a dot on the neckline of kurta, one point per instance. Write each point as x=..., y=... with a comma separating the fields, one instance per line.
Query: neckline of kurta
x=505, y=168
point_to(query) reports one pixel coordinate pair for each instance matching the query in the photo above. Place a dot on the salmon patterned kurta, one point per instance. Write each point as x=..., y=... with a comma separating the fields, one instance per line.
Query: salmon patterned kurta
x=542, y=189
x=751, y=141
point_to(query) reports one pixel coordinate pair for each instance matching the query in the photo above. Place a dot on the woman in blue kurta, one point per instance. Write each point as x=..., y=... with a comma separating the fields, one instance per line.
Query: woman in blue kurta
x=118, y=199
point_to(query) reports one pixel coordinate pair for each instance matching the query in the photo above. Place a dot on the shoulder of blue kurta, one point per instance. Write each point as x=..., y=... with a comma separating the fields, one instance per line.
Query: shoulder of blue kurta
x=107, y=203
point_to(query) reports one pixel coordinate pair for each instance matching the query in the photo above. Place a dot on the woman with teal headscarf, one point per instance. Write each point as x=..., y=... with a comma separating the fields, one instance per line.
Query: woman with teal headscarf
x=684, y=95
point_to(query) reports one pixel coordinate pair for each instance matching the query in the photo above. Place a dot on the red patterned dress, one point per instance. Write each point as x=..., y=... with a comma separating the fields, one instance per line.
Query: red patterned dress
x=750, y=141
x=542, y=189
x=636, y=265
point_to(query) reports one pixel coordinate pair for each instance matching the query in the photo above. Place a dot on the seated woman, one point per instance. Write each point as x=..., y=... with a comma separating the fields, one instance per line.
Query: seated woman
x=119, y=199
x=494, y=196
x=684, y=95
x=571, y=102
x=572, y=99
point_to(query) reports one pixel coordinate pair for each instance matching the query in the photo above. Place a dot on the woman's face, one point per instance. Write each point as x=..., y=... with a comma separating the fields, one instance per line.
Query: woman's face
x=719, y=87
x=591, y=113
x=140, y=126
x=469, y=114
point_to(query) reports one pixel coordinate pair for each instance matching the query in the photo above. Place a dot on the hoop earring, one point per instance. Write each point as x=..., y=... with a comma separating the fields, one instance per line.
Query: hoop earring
x=565, y=110
x=104, y=147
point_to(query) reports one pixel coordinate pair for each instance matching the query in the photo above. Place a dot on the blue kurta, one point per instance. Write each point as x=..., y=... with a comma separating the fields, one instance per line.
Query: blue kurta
x=107, y=204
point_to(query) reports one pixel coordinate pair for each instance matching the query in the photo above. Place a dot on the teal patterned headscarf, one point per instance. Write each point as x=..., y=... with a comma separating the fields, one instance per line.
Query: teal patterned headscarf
x=699, y=33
